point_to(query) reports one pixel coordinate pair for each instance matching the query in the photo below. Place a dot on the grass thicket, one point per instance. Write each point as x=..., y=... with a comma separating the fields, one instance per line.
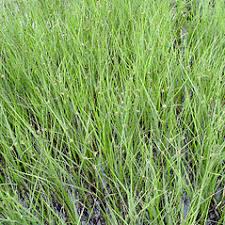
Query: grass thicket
x=112, y=112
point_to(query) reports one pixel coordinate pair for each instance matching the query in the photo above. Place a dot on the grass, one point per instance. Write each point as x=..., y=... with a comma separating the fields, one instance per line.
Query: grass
x=112, y=112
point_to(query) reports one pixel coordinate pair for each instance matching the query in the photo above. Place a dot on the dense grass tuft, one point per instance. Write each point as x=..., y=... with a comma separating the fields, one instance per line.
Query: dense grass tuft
x=112, y=112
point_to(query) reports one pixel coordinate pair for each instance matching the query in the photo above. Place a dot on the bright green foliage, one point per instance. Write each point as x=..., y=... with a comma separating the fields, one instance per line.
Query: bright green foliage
x=112, y=112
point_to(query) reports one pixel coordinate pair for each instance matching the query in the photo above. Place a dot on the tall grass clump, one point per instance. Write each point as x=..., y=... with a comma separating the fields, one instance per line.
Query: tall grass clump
x=112, y=112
